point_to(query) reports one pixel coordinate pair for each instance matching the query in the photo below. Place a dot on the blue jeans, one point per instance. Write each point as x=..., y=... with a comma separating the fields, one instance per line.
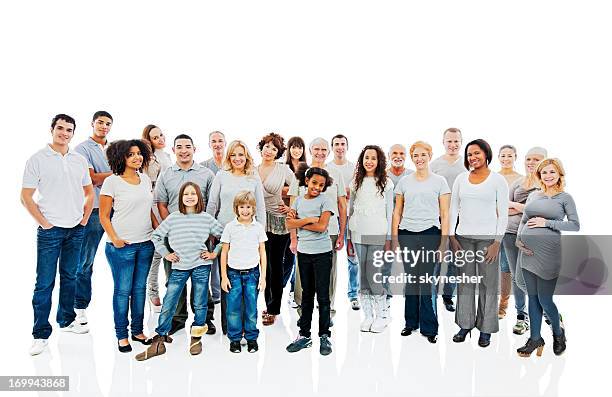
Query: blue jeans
x=243, y=289
x=353, y=275
x=53, y=245
x=449, y=288
x=540, y=293
x=176, y=283
x=91, y=239
x=504, y=266
x=511, y=252
x=130, y=267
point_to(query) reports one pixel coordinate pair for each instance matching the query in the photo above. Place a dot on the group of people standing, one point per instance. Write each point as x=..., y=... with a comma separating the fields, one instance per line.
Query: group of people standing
x=235, y=229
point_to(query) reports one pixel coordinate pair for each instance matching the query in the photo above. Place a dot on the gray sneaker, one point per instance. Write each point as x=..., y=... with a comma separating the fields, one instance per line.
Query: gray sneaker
x=300, y=343
x=326, y=347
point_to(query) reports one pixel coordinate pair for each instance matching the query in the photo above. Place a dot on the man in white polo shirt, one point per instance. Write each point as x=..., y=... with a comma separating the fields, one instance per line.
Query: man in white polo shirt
x=65, y=202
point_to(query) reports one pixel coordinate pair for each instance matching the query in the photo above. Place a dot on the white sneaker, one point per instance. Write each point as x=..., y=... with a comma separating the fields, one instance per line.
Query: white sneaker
x=368, y=312
x=381, y=319
x=76, y=328
x=291, y=301
x=243, y=342
x=38, y=346
x=81, y=316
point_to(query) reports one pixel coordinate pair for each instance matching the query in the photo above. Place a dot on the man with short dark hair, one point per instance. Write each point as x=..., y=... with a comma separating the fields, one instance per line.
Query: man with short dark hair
x=167, y=198
x=66, y=198
x=94, y=151
x=346, y=169
x=449, y=165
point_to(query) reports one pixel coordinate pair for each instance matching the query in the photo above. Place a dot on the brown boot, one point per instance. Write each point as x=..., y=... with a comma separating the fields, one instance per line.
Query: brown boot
x=156, y=348
x=504, y=296
x=195, y=347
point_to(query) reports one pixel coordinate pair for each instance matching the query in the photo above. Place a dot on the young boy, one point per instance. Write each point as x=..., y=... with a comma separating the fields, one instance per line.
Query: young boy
x=243, y=271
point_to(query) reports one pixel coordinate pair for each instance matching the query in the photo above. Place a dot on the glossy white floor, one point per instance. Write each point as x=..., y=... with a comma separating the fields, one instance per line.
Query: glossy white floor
x=362, y=363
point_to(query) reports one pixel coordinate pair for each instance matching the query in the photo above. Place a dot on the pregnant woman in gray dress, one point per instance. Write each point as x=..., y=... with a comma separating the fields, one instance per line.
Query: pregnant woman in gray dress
x=539, y=240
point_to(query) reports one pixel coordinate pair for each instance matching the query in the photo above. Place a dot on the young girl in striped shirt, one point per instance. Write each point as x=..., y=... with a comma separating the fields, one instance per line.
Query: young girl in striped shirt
x=186, y=231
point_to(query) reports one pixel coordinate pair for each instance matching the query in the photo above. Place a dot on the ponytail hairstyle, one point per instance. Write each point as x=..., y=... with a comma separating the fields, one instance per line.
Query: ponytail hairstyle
x=380, y=173
x=300, y=173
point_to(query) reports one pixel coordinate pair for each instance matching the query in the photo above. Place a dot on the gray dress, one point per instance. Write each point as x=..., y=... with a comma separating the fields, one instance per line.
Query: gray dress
x=545, y=242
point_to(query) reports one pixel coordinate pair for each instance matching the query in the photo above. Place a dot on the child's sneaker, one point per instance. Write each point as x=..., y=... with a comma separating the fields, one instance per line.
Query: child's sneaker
x=252, y=346
x=521, y=326
x=300, y=343
x=235, y=347
x=325, y=349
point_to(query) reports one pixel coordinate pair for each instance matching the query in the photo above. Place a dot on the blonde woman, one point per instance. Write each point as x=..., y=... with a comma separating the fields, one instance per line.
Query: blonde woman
x=507, y=158
x=238, y=175
x=539, y=240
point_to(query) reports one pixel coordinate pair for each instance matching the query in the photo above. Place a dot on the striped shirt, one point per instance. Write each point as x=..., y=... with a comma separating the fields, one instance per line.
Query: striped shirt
x=187, y=235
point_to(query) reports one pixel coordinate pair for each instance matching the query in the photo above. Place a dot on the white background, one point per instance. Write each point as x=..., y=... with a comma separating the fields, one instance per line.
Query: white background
x=524, y=73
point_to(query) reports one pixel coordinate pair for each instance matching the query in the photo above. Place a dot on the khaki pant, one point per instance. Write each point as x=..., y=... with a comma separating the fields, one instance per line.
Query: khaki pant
x=297, y=293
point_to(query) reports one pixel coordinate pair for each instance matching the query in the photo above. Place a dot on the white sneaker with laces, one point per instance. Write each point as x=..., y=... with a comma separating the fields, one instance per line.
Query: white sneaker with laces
x=76, y=328
x=291, y=301
x=81, y=316
x=38, y=346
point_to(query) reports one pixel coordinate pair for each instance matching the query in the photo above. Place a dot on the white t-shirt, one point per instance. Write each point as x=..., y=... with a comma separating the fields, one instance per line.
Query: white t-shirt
x=347, y=170
x=59, y=181
x=244, y=243
x=333, y=192
x=132, y=207
x=421, y=201
x=482, y=208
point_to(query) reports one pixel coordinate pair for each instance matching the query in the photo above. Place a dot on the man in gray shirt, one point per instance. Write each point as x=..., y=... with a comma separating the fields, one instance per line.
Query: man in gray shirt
x=216, y=143
x=94, y=151
x=449, y=165
x=397, y=164
x=167, y=198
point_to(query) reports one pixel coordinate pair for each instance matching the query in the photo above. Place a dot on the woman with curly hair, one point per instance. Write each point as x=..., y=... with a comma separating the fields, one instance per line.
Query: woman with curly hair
x=129, y=249
x=370, y=216
x=238, y=174
x=274, y=177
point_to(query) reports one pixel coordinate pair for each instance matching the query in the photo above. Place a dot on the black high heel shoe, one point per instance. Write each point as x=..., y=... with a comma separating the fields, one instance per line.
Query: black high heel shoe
x=484, y=339
x=559, y=344
x=461, y=335
x=431, y=338
x=144, y=341
x=530, y=346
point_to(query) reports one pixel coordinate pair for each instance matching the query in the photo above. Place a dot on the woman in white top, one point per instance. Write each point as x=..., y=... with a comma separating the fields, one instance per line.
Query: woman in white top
x=160, y=160
x=507, y=158
x=370, y=215
x=274, y=176
x=420, y=222
x=129, y=249
x=238, y=174
x=479, y=216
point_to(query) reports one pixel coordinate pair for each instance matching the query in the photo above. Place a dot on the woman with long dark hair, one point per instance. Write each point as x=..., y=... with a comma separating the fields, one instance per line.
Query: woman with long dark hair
x=370, y=216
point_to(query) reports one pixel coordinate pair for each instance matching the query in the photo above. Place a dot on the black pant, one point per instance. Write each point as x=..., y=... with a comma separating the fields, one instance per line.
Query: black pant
x=315, y=275
x=419, y=306
x=180, y=315
x=275, y=253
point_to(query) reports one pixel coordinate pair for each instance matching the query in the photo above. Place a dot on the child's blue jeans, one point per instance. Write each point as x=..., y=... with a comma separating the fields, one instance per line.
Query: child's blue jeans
x=243, y=288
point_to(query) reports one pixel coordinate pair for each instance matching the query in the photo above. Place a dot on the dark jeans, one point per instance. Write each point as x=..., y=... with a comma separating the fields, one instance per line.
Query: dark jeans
x=176, y=285
x=130, y=267
x=91, y=239
x=419, y=307
x=242, y=304
x=289, y=266
x=315, y=274
x=180, y=314
x=275, y=253
x=540, y=294
x=53, y=245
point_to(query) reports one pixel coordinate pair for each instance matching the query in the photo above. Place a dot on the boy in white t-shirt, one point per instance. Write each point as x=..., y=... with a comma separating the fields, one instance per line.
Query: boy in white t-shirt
x=243, y=273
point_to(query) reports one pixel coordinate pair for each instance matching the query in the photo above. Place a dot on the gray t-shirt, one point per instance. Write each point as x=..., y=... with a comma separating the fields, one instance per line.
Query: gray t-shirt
x=96, y=159
x=518, y=194
x=396, y=178
x=449, y=171
x=132, y=207
x=310, y=242
x=421, y=201
x=211, y=165
x=171, y=180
